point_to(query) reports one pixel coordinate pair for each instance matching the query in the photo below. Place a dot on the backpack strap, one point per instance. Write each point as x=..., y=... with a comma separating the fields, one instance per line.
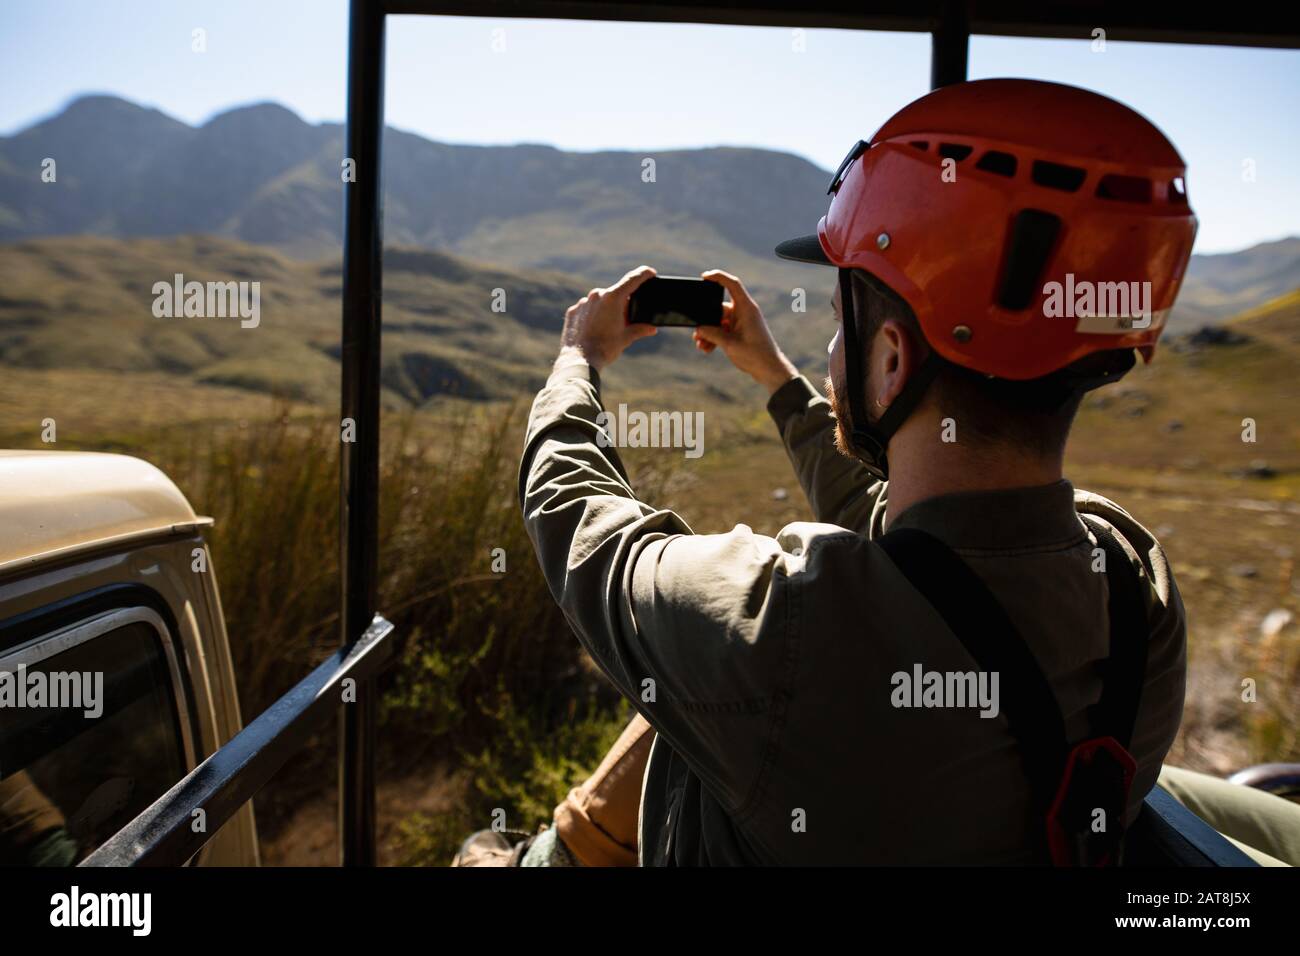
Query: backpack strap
x=979, y=621
x=981, y=624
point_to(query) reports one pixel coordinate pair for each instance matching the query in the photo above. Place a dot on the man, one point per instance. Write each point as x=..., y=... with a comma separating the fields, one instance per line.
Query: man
x=783, y=677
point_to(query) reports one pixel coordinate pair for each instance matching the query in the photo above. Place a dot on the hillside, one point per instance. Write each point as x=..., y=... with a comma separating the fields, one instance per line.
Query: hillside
x=1276, y=323
x=1218, y=287
x=1183, y=412
x=85, y=304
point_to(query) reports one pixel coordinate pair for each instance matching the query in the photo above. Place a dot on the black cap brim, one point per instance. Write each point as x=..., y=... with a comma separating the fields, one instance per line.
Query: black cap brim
x=803, y=249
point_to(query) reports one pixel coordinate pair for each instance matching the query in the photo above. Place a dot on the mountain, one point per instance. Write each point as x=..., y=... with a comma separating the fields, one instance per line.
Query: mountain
x=1220, y=286
x=260, y=175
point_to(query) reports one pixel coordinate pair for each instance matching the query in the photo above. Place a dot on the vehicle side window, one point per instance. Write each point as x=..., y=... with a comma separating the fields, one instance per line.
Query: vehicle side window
x=89, y=737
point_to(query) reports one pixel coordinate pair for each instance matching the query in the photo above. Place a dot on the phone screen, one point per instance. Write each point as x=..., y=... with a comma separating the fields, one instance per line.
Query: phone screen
x=676, y=301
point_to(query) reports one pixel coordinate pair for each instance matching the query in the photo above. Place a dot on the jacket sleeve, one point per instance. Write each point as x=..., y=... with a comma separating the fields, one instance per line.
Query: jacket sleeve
x=692, y=629
x=840, y=490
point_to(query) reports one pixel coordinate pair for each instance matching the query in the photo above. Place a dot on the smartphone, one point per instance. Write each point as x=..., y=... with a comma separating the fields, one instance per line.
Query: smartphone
x=676, y=301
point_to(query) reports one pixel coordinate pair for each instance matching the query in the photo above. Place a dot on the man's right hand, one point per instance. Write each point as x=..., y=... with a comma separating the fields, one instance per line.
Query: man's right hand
x=744, y=336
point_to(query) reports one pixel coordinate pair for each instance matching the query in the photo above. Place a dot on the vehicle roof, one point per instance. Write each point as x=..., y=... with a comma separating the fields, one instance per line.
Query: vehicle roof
x=56, y=503
x=1161, y=22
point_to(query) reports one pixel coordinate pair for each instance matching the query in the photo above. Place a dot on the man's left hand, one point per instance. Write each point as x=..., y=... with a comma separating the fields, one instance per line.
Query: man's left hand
x=596, y=326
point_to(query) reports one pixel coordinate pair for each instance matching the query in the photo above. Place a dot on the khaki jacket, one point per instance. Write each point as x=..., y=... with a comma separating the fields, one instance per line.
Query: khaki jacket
x=769, y=667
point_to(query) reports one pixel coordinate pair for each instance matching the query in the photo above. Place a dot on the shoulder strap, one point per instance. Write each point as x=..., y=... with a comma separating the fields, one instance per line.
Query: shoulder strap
x=978, y=620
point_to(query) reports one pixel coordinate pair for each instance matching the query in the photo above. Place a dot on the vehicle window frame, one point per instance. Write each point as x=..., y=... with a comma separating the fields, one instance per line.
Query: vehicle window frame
x=69, y=636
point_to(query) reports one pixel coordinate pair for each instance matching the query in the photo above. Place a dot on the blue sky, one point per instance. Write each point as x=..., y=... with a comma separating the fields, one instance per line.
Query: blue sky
x=580, y=85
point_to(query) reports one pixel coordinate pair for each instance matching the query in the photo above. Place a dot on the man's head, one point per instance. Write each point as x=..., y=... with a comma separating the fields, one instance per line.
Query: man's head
x=1000, y=261
x=998, y=418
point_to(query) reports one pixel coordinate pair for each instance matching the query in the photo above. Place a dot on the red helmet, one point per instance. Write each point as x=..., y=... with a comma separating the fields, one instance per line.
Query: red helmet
x=1027, y=224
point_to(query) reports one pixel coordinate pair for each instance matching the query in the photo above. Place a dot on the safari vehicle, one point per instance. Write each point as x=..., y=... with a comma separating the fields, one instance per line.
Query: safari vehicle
x=96, y=574
x=104, y=570
x=103, y=566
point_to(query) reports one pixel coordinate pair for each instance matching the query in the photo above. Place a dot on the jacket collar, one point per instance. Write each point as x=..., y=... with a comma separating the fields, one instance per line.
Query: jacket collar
x=1013, y=519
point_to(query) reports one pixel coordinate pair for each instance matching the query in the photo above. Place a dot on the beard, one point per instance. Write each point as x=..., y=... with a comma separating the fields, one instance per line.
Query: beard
x=842, y=443
x=843, y=420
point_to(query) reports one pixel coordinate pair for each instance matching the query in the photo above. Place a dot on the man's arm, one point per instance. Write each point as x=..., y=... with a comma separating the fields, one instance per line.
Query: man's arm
x=692, y=629
x=839, y=489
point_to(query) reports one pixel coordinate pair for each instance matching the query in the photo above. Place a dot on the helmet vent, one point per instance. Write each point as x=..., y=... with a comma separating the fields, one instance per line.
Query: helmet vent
x=920, y=144
x=1124, y=188
x=957, y=151
x=1177, y=191
x=995, y=161
x=1057, y=176
x=1033, y=235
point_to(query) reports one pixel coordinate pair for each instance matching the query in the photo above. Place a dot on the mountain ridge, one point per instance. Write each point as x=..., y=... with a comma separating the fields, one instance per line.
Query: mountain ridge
x=259, y=173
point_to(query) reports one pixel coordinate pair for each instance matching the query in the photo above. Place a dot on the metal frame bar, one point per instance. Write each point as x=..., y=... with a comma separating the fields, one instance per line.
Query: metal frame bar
x=1167, y=21
x=950, y=45
x=359, y=459
x=163, y=834
x=1172, y=835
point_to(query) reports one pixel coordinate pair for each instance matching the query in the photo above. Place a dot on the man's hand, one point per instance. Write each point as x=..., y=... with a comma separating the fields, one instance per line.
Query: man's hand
x=596, y=326
x=745, y=337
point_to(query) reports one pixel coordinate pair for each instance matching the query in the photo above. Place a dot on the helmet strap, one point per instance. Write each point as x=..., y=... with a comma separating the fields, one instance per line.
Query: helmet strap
x=870, y=439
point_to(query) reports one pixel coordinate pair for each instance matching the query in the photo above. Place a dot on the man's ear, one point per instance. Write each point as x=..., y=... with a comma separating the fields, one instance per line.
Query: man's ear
x=895, y=357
